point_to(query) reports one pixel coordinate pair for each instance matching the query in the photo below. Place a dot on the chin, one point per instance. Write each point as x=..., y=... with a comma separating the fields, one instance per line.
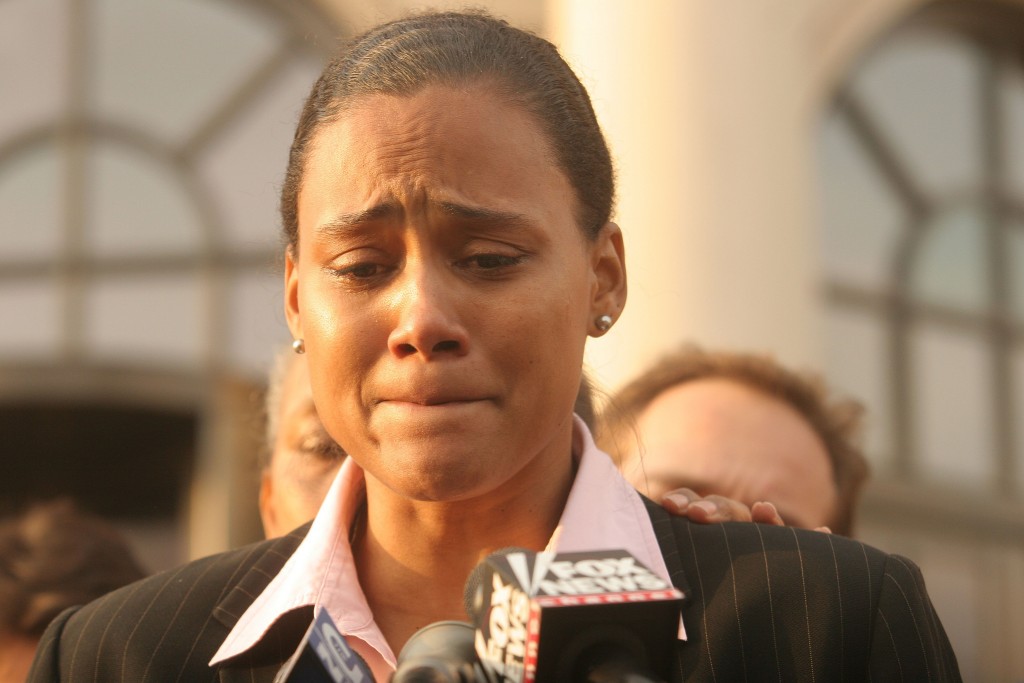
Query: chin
x=449, y=479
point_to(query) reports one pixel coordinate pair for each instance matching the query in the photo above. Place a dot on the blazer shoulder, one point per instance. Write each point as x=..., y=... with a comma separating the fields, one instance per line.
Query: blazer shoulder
x=747, y=537
x=831, y=605
x=171, y=621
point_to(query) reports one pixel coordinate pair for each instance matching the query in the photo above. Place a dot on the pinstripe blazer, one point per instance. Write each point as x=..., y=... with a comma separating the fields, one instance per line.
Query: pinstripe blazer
x=763, y=604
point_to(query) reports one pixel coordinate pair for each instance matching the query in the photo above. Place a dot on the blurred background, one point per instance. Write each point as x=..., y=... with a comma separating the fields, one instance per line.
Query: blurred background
x=837, y=182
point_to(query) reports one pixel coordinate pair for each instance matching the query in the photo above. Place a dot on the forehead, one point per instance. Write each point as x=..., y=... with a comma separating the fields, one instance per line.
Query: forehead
x=443, y=143
x=719, y=432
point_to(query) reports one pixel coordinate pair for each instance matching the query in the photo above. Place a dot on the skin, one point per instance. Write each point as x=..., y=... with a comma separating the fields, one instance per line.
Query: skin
x=718, y=436
x=16, y=653
x=303, y=460
x=445, y=292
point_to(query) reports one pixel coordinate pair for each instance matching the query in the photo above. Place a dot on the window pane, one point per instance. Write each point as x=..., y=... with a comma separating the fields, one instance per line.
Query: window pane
x=138, y=206
x=952, y=389
x=31, y=311
x=246, y=165
x=31, y=204
x=257, y=328
x=33, y=55
x=857, y=365
x=149, y=319
x=1013, y=115
x=951, y=264
x=923, y=92
x=862, y=218
x=956, y=578
x=164, y=66
x=1018, y=418
x=1016, y=237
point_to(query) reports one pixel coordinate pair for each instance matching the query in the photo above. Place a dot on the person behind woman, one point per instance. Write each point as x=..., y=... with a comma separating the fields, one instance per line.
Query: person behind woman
x=449, y=250
x=53, y=556
x=740, y=425
x=300, y=459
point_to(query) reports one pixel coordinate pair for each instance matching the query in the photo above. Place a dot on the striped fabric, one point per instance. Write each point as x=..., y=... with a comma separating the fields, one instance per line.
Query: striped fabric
x=763, y=604
x=783, y=604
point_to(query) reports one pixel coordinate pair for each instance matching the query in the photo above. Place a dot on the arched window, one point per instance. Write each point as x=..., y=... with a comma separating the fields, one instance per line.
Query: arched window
x=142, y=147
x=922, y=160
x=922, y=171
x=142, y=143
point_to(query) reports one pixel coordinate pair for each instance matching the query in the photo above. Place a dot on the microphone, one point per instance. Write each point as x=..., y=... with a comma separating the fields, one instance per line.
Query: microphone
x=593, y=617
x=323, y=656
x=442, y=652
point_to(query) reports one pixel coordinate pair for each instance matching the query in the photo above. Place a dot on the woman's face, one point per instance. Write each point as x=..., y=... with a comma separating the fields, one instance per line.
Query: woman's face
x=444, y=292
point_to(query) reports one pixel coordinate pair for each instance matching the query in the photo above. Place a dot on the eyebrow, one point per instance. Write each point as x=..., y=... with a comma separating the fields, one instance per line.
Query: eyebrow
x=347, y=222
x=481, y=214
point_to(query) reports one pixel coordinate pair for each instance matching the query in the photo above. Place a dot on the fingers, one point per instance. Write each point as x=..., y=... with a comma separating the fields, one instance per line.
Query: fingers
x=765, y=513
x=711, y=509
x=705, y=509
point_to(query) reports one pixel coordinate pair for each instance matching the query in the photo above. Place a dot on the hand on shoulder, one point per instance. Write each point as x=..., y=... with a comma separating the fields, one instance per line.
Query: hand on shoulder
x=684, y=502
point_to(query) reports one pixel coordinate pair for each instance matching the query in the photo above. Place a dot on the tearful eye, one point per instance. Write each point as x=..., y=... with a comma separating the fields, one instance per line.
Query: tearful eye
x=361, y=270
x=492, y=261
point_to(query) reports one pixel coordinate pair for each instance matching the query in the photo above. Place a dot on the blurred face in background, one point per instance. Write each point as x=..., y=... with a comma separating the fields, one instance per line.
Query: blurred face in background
x=304, y=458
x=718, y=436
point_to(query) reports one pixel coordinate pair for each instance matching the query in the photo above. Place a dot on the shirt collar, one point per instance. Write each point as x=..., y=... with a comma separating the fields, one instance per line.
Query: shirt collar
x=603, y=512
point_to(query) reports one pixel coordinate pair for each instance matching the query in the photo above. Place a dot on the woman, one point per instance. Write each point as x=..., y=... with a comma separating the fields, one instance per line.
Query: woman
x=447, y=208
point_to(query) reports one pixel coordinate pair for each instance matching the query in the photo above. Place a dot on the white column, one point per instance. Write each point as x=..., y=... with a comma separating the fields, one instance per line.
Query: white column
x=703, y=106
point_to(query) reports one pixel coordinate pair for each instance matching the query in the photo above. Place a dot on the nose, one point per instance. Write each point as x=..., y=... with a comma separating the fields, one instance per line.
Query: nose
x=428, y=323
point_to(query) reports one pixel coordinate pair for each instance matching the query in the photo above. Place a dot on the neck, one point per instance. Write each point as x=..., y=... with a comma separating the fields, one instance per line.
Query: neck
x=413, y=557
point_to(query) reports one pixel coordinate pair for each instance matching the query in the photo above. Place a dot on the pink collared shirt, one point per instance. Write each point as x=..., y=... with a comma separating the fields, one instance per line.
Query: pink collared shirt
x=603, y=512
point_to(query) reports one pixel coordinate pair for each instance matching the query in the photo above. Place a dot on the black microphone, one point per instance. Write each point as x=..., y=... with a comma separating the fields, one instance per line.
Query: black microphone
x=594, y=617
x=323, y=656
x=441, y=652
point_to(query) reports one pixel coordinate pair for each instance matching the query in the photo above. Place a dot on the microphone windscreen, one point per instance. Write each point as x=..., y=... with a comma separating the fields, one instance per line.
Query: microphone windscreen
x=558, y=618
x=472, y=592
x=441, y=652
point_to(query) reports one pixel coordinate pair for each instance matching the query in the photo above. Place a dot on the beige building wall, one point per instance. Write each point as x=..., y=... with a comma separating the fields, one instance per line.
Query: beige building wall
x=712, y=112
x=710, y=109
x=703, y=106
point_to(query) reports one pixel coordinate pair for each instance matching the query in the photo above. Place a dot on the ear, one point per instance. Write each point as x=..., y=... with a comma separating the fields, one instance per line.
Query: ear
x=268, y=515
x=291, y=292
x=608, y=276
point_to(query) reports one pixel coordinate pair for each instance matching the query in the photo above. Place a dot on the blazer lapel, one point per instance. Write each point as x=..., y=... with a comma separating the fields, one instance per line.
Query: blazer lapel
x=255, y=573
x=662, y=523
x=261, y=663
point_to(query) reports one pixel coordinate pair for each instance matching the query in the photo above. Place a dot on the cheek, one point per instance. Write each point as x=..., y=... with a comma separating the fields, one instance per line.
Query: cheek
x=547, y=338
x=340, y=348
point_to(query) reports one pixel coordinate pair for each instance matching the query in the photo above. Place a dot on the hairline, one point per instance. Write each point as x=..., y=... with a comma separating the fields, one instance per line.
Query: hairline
x=496, y=83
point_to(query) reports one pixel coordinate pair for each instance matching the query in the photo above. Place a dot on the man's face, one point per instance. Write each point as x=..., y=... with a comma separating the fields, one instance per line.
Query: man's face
x=717, y=436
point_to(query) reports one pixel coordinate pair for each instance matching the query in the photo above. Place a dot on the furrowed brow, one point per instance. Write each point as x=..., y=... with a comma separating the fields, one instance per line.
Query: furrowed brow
x=481, y=214
x=347, y=222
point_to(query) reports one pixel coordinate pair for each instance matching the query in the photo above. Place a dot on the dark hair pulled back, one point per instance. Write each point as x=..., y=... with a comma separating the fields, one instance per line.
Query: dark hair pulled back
x=453, y=49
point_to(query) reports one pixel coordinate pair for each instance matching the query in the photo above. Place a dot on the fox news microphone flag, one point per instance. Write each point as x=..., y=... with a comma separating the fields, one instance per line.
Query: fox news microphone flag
x=555, y=618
